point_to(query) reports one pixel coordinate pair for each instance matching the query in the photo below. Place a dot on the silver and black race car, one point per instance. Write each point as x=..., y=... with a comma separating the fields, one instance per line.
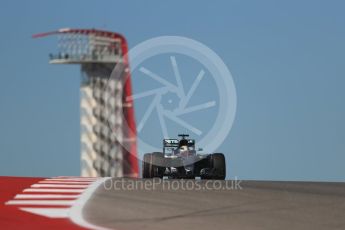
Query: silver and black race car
x=180, y=160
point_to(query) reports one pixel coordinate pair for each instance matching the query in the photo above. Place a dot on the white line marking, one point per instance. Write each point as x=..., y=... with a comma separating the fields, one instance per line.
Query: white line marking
x=40, y=202
x=76, y=212
x=44, y=196
x=54, y=190
x=48, y=212
x=58, y=186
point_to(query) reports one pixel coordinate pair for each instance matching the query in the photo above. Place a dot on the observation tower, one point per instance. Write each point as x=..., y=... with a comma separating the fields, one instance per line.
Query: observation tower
x=108, y=130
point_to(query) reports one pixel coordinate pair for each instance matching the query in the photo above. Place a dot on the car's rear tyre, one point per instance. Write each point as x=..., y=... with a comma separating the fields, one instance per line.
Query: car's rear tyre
x=146, y=166
x=217, y=163
x=157, y=165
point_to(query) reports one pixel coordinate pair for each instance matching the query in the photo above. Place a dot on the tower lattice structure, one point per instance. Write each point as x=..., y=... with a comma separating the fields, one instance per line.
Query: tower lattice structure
x=108, y=130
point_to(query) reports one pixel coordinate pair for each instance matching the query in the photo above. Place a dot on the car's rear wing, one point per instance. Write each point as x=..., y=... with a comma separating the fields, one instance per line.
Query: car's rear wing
x=175, y=142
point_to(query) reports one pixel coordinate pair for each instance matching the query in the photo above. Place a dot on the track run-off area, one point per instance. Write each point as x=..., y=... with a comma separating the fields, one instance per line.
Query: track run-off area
x=115, y=203
x=46, y=203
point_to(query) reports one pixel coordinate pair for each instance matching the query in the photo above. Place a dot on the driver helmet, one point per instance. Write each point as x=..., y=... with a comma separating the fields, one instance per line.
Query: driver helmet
x=183, y=145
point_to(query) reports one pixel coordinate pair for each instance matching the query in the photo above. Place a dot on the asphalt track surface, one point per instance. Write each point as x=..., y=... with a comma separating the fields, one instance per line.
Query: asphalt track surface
x=258, y=205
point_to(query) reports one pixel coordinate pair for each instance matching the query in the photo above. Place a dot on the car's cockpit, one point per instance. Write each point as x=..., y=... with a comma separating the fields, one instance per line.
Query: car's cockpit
x=173, y=147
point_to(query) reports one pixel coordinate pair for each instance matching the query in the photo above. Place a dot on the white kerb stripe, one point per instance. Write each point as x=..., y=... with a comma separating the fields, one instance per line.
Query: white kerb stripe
x=64, y=182
x=48, y=212
x=53, y=190
x=40, y=202
x=70, y=179
x=58, y=186
x=74, y=177
x=44, y=196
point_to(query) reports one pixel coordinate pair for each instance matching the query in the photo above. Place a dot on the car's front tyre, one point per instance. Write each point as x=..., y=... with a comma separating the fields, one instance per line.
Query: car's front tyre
x=218, y=166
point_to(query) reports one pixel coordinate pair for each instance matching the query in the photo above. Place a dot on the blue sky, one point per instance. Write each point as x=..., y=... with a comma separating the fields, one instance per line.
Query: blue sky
x=286, y=58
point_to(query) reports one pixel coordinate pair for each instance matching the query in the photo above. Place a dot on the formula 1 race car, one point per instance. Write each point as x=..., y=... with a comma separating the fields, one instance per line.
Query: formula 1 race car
x=179, y=160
